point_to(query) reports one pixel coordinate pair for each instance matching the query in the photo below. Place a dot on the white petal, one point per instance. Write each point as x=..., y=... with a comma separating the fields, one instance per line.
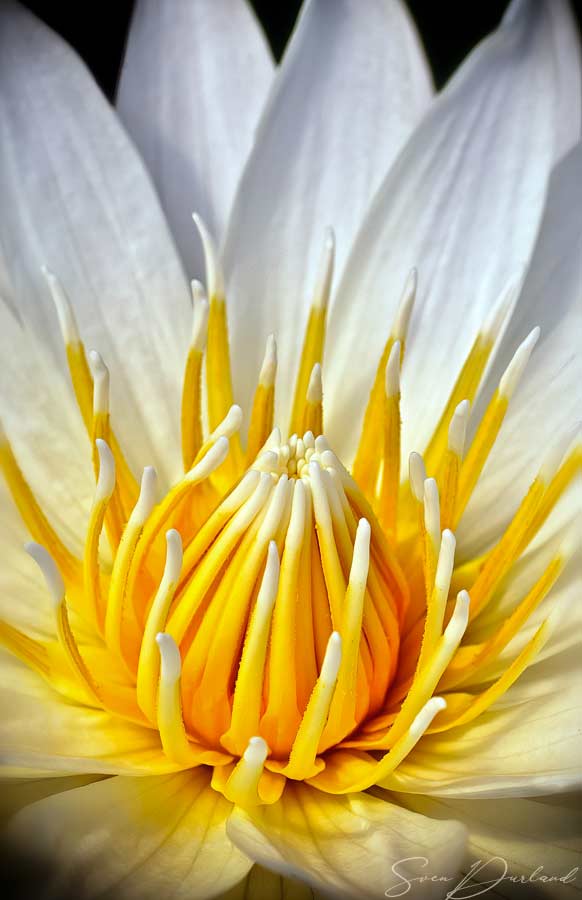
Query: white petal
x=345, y=846
x=262, y=883
x=39, y=729
x=527, y=745
x=133, y=838
x=76, y=198
x=462, y=203
x=351, y=87
x=192, y=86
x=547, y=404
x=513, y=838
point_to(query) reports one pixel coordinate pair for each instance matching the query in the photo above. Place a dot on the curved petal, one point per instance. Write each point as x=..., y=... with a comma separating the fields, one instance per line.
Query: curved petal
x=46, y=433
x=345, y=846
x=76, y=197
x=463, y=204
x=134, y=837
x=352, y=85
x=536, y=839
x=40, y=730
x=192, y=86
x=548, y=402
x=527, y=745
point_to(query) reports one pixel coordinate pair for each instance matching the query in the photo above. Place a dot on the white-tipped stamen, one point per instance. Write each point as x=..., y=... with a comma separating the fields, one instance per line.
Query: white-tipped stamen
x=417, y=476
x=106, y=478
x=210, y=461
x=66, y=316
x=48, y=567
x=147, y=496
x=459, y=620
x=315, y=387
x=500, y=311
x=426, y=715
x=392, y=379
x=170, y=660
x=554, y=456
x=269, y=366
x=325, y=273
x=400, y=328
x=446, y=562
x=458, y=428
x=432, y=512
x=199, y=318
x=229, y=425
x=100, y=374
x=512, y=375
x=214, y=274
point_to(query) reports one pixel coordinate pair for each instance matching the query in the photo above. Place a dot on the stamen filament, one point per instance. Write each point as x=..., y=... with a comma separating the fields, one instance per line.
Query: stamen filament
x=191, y=413
x=449, y=479
x=390, y=472
x=261, y=424
x=91, y=573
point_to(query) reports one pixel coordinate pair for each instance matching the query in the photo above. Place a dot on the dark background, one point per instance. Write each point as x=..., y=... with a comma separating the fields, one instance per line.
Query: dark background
x=98, y=29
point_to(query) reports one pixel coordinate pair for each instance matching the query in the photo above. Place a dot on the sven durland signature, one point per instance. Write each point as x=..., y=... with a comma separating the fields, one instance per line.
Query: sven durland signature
x=483, y=876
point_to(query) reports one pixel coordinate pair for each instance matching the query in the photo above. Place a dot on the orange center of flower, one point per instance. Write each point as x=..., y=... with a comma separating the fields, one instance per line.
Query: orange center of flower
x=273, y=615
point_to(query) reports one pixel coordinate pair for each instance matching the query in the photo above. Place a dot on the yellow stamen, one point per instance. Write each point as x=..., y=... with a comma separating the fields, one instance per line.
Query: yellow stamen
x=449, y=478
x=431, y=532
x=314, y=340
x=218, y=370
x=390, y=474
x=261, y=423
x=365, y=467
x=91, y=572
x=242, y=788
x=148, y=665
x=491, y=422
x=191, y=414
x=312, y=415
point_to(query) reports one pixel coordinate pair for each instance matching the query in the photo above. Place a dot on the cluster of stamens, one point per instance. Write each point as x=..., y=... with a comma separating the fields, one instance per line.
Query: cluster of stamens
x=277, y=616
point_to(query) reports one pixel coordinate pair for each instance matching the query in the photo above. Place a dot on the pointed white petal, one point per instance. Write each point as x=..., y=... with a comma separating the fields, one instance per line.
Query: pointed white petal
x=547, y=404
x=192, y=86
x=76, y=197
x=351, y=87
x=463, y=204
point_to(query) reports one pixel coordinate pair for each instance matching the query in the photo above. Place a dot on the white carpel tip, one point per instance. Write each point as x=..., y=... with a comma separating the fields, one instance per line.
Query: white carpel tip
x=147, y=495
x=48, y=567
x=170, y=659
x=199, y=319
x=325, y=272
x=392, y=375
x=331, y=659
x=269, y=366
x=106, y=477
x=66, y=316
x=512, y=375
x=315, y=386
x=459, y=620
x=361, y=554
x=100, y=374
x=416, y=475
x=214, y=275
x=174, y=555
x=400, y=327
x=458, y=428
x=426, y=715
x=500, y=311
x=256, y=752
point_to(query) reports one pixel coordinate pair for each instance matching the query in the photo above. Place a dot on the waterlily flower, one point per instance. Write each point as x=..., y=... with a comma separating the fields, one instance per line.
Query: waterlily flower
x=309, y=615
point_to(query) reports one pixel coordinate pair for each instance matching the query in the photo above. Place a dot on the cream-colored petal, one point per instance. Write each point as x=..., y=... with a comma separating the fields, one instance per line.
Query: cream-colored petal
x=20, y=792
x=533, y=839
x=40, y=729
x=153, y=837
x=528, y=745
x=547, y=404
x=344, y=846
x=192, y=86
x=352, y=85
x=462, y=203
x=76, y=197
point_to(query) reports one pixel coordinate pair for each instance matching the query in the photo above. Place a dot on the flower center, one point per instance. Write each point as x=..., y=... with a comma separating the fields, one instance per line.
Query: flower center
x=274, y=615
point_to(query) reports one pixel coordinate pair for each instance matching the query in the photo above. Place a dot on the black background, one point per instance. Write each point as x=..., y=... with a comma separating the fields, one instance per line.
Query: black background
x=98, y=29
